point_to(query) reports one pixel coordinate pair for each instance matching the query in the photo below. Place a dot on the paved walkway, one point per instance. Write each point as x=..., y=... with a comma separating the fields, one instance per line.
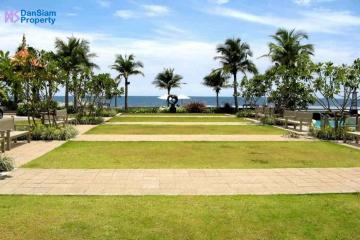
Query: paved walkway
x=182, y=123
x=157, y=138
x=180, y=182
x=23, y=152
x=174, y=116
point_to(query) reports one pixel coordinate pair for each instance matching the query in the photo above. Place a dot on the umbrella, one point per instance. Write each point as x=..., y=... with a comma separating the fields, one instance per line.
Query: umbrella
x=182, y=96
x=163, y=97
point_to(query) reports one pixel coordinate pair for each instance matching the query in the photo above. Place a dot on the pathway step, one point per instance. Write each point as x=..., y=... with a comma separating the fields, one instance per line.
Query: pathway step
x=158, y=138
x=180, y=181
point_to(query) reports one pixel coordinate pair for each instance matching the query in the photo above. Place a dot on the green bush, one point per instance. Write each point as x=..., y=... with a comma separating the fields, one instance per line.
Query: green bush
x=106, y=112
x=195, y=107
x=167, y=110
x=6, y=163
x=245, y=113
x=141, y=110
x=21, y=109
x=89, y=120
x=268, y=120
x=42, y=132
x=329, y=133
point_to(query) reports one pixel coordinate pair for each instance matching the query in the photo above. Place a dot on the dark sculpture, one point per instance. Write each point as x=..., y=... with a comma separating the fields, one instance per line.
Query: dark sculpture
x=172, y=100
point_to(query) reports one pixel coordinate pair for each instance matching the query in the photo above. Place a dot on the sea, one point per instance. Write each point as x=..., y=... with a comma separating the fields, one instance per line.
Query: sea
x=154, y=101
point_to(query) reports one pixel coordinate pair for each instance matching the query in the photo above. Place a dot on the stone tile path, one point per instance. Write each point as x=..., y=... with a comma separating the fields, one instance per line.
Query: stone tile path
x=23, y=152
x=104, y=137
x=180, y=182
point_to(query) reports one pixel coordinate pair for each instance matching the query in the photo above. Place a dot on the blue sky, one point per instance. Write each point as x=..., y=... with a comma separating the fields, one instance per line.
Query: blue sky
x=184, y=34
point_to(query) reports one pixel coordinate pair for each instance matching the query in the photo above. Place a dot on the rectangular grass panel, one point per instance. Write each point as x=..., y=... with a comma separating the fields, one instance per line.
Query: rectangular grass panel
x=176, y=119
x=316, y=217
x=113, y=155
x=185, y=129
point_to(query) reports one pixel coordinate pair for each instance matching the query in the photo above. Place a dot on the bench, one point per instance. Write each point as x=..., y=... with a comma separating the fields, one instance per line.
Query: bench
x=296, y=118
x=261, y=112
x=2, y=144
x=8, y=132
x=355, y=134
x=58, y=117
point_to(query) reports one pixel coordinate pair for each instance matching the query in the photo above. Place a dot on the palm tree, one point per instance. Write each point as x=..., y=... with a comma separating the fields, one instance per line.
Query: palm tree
x=217, y=80
x=287, y=48
x=72, y=54
x=167, y=79
x=127, y=66
x=234, y=57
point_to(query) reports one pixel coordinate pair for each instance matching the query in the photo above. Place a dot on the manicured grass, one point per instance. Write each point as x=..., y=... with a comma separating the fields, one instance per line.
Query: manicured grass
x=198, y=155
x=175, y=114
x=185, y=129
x=177, y=119
x=300, y=217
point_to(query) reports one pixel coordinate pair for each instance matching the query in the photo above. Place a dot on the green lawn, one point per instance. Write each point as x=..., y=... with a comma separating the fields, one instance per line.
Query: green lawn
x=185, y=129
x=175, y=114
x=176, y=119
x=198, y=155
x=301, y=217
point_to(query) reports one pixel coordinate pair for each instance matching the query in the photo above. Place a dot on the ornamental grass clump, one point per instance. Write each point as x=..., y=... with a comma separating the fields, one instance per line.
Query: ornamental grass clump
x=42, y=132
x=6, y=163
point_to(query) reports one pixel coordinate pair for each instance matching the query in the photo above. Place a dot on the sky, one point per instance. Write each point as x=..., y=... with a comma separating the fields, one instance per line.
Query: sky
x=184, y=34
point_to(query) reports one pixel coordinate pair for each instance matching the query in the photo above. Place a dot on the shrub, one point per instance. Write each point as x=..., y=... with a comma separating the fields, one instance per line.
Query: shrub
x=89, y=120
x=330, y=133
x=141, y=110
x=106, y=112
x=195, y=107
x=21, y=109
x=268, y=120
x=227, y=108
x=42, y=132
x=6, y=163
x=167, y=110
x=245, y=113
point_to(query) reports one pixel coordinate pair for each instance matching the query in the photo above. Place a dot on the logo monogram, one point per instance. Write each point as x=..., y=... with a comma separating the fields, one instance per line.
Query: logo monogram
x=11, y=16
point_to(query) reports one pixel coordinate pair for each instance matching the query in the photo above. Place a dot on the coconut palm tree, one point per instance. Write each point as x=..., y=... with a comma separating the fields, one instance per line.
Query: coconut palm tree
x=127, y=66
x=287, y=48
x=167, y=79
x=234, y=57
x=72, y=54
x=217, y=80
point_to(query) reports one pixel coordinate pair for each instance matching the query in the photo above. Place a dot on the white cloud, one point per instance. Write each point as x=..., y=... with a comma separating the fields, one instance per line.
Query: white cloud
x=309, y=2
x=71, y=14
x=171, y=31
x=302, y=2
x=191, y=58
x=145, y=11
x=104, y=3
x=155, y=10
x=324, y=21
x=125, y=14
x=220, y=2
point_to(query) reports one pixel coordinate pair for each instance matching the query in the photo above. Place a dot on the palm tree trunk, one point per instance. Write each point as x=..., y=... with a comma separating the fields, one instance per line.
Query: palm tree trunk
x=236, y=93
x=168, y=92
x=126, y=94
x=67, y=91
x=217, y=99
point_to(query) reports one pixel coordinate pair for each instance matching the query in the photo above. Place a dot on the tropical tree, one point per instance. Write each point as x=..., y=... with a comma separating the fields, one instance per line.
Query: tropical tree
x=254, y=88
x=72, y=54
x=217, y=79
x=167, y=79
x=127, y=66
x=6, y=76
x=334, y=86
x=235, y=57
x=291, y=72
x=287, y=49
